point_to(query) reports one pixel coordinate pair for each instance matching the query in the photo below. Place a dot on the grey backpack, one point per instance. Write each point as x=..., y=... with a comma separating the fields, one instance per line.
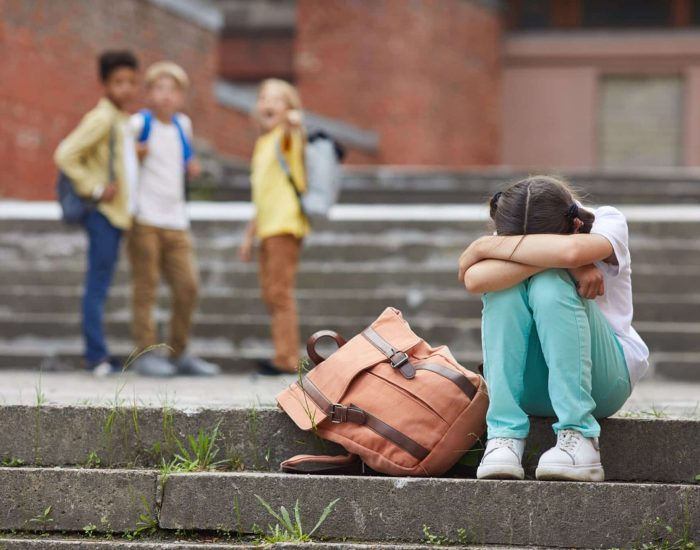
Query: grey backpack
x=322, y=158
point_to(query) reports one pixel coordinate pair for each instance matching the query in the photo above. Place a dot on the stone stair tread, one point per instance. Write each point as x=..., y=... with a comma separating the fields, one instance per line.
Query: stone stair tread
x=370, y=508
x=261, y=437
x=169, y=542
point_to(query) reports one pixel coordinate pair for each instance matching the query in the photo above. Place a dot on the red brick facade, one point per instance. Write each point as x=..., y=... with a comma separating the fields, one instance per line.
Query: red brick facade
x=48, y=76
x=424, y=74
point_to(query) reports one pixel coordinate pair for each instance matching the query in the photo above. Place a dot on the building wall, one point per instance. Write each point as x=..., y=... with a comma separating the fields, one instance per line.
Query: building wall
x=564, y=106
x=424, y=74
x=48, y=76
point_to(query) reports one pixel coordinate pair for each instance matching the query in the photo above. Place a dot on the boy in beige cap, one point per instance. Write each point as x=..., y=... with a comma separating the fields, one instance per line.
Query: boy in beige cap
x=160, y=242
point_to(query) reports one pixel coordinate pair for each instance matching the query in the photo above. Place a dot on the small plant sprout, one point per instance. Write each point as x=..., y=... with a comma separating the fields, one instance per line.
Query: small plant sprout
x=93, y=460
x=89, y=530
x=202, y=452
x=432, y=539
x=291, y=530
x=41, y=521
x=147, y=523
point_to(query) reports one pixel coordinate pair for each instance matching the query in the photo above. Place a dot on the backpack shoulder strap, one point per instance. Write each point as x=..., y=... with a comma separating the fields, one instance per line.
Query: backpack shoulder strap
x=187, y=151
x=147, y=123
x=285, y=167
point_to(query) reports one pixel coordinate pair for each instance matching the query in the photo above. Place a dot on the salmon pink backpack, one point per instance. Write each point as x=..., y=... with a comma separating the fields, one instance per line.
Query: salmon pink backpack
x=391, y=400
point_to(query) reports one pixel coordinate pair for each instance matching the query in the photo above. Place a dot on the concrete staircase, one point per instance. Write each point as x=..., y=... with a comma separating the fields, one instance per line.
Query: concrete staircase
x=368, y=257
x=83, y=477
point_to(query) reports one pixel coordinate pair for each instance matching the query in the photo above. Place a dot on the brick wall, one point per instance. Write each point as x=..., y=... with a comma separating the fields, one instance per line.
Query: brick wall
x=423, y=73
x=48, y=78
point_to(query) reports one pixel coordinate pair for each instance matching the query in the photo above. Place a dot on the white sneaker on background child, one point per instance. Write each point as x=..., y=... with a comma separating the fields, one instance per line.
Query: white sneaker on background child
x=574, y=458
x=502, y=459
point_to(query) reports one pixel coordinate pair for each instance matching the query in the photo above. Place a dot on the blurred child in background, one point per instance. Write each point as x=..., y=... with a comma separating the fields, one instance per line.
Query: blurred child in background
x=101, y=165
x=279, y=222
x=160, y=242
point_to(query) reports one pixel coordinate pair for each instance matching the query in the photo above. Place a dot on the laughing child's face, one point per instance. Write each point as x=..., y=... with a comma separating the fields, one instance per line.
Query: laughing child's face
x=272, y=107
x=166, y=96
x=121, y=87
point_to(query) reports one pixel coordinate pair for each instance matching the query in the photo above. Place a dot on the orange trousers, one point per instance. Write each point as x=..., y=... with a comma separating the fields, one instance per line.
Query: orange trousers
x=279, y=261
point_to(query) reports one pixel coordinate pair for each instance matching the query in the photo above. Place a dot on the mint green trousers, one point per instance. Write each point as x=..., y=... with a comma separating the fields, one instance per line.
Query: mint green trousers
x=549, y=352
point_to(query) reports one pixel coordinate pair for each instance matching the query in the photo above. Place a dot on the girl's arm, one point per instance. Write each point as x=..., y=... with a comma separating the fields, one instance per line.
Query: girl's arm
x=546, y=251
x=495, y=275
x=245, y=252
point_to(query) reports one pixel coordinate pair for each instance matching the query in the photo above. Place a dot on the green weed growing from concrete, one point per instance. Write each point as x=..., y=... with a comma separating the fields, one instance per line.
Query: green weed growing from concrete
x=89, y=530
x=147, y=524
x=432, y=539
x=40, y=522
x=40, y=401
x=464, y=537
x=10, y=462
x=202, y=452
x=660, y=535
x=93, y=460
x=291, y=530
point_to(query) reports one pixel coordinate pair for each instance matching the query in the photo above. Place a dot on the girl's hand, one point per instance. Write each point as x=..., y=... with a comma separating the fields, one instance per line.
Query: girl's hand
x=295, y=118
x=589, y=281
x=245, y=252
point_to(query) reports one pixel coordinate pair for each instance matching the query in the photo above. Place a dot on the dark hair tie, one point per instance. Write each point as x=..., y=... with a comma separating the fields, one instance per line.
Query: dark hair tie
x=494, y=200
x=572, y=212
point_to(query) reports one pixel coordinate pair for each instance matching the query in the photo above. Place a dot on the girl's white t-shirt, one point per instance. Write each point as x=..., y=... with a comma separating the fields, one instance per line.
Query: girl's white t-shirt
x=160, y=196
x=616, y=303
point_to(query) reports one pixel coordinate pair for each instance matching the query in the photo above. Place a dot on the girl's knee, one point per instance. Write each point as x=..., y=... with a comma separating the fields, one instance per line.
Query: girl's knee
x=505, y=296
x=549, y=286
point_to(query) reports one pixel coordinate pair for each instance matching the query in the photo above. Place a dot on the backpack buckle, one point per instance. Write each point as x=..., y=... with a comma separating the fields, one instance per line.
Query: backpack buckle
x=338, y=413
x=399, y=359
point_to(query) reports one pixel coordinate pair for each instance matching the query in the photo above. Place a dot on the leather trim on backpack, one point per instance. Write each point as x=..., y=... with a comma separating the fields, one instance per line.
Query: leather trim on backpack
x=338, y=414
x=462, y=382
x=399, y=359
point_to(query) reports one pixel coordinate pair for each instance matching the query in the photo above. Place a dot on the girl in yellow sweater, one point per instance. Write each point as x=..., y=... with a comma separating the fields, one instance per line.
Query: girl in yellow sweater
x=279, y=222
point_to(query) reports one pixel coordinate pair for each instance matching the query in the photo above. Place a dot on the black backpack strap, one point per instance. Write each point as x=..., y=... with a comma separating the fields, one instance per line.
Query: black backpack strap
x=286, y=169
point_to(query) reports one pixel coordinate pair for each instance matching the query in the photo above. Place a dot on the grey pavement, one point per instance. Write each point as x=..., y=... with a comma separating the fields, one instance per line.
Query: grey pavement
x=650, y=398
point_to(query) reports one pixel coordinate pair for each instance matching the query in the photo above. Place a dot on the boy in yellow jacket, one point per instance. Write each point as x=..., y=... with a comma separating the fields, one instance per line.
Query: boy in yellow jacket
x=85, y=157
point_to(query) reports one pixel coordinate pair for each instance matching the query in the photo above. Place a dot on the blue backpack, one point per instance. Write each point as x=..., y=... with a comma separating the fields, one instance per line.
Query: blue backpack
x=187, y=150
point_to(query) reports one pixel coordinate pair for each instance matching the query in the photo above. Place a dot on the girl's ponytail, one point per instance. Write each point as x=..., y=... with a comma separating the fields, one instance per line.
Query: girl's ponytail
x=493, y=204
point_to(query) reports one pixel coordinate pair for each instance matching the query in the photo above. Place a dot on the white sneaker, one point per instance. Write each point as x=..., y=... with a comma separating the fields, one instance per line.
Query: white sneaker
x=502, y=459
x=575, y=458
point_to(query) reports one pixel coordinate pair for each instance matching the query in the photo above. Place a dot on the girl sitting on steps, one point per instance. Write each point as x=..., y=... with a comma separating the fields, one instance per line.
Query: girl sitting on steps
x=557, y=332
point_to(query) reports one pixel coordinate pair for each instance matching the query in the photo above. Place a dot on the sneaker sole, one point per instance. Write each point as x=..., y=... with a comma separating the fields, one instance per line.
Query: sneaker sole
x=500, y=471
x=570, y=473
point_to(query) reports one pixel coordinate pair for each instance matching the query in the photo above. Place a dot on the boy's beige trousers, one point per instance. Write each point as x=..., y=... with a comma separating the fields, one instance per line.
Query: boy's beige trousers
x=153, y=252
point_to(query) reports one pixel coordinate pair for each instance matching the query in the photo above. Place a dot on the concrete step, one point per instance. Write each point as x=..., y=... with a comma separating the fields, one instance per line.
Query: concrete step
x=128, y=434
x=317, y=275
x=358, y=245
x=195, y=541
x=322, y=302
x=461, y=334
x=367, y=508
x=51, y=354
x=426, y=186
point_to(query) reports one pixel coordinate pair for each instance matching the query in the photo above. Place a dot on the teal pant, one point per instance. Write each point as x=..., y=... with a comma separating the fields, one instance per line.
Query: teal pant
x=549, y=352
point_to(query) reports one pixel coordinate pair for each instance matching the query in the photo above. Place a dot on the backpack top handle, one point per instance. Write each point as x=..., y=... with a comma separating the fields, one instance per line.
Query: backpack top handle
x=315, y=337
